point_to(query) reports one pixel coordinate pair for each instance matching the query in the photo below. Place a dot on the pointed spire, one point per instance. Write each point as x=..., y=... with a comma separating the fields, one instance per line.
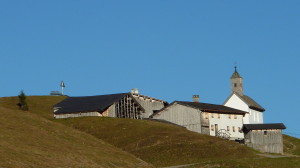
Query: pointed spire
x=235, y=73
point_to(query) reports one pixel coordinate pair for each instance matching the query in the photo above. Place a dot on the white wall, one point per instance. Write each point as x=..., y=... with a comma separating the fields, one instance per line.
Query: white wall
x=181, y=115
x=225, y=121
x=256, y=117
x=253, y=117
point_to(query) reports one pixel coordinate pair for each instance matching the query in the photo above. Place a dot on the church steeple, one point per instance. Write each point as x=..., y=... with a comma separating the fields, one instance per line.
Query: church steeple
x=236, y=83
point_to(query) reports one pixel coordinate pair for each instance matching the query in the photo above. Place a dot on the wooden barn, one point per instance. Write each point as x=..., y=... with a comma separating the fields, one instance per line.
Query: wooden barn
x=264, y=137
x=123, y=105
x=204, y=118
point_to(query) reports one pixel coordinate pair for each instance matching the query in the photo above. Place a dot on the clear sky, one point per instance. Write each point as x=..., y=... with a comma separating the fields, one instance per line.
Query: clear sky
x=169, y=49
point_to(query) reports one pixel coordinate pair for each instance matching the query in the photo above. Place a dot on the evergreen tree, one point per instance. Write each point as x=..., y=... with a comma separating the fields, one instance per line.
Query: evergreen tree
x=22, y=102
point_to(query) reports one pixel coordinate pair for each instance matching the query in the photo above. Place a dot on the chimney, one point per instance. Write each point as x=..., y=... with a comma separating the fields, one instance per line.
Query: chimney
x=196, y=98
x=135, y=91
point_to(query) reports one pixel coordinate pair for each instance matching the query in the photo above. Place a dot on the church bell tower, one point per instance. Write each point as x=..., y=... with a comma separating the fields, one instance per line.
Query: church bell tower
x=236, y=83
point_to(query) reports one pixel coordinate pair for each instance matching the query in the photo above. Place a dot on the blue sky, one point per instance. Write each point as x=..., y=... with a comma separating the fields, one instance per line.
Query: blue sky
x=169, y=49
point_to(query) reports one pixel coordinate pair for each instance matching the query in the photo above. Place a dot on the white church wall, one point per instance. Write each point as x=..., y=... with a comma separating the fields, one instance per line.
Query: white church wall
x=255, y=117
x=235, y=102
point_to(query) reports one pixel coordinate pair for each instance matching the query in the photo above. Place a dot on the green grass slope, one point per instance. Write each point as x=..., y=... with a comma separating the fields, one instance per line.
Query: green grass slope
x=291, y=145
x=28, y=140
x=41, y=105
x=158, y=143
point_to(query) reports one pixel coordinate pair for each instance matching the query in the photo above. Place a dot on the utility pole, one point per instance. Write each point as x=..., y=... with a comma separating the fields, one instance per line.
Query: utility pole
x=62, y=85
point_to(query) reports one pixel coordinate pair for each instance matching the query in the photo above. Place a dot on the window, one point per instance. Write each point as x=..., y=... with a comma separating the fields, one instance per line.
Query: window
x=228, y=128
x=239, y=128
x=212, y=127
x=206, y=115
x=212, y=115
x=235, y=116
x=235, y=85
x=229, y=116
x=219, y=115
x=265, y=132
x=233, y=129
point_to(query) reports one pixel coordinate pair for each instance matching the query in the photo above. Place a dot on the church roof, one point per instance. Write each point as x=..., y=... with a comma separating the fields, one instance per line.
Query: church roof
x=235, y=74
x=252, y=104
x=249, y=101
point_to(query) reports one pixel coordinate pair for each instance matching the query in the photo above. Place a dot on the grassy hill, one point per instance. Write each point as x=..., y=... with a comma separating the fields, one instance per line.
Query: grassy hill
x=158, y=143
x=29, y=140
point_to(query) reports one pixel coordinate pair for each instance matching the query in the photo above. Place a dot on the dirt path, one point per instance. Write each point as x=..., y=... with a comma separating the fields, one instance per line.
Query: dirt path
x=181, y=166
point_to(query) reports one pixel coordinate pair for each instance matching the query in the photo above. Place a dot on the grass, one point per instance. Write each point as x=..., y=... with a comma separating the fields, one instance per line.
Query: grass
x=41, y=105
x=291, y=145
x=29, y=140
x=156, y=143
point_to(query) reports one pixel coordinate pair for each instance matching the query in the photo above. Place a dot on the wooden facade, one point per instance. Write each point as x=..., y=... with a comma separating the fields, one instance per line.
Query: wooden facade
x=264, y=137
x=128, y=107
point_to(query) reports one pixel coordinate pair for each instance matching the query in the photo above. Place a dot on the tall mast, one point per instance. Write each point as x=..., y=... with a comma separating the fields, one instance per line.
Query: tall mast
x=62, y=85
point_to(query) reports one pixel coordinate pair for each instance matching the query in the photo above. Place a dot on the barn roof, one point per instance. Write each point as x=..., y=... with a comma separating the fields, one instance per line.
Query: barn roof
x=205, y=107
x=249, y=127
x=87, y=103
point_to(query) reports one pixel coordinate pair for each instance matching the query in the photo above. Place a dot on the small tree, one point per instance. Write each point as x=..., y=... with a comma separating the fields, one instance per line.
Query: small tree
x=22, y=102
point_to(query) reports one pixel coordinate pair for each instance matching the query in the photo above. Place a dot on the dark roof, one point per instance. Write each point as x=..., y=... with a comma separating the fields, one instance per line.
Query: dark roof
x=205, y=107
x=88, y=103
x=252, y=104
x=249, y=127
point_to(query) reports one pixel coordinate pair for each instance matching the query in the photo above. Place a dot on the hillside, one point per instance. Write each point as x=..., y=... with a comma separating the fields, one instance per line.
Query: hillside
x=28, y=140
x=161, y=144
x=158, y=143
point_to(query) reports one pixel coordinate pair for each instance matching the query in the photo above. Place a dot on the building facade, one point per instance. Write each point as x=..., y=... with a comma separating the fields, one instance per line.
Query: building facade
x=204, y=118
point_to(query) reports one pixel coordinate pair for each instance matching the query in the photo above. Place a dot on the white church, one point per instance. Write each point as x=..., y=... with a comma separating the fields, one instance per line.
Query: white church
x=239, y=100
